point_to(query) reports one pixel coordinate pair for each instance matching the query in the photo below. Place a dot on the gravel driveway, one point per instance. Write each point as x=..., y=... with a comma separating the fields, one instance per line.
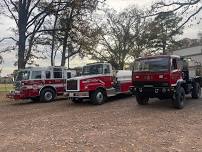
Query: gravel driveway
x=119, y=125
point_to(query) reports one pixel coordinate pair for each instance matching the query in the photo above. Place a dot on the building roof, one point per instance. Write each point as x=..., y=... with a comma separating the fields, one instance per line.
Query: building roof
x=197, y=50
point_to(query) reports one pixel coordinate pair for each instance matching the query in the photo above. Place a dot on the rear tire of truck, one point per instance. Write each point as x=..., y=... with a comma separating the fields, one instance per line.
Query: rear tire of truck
x=98, y=97
x=178, y=102
x=47, y=95
x=141, y=100
x=196, y=91
x=77, y=100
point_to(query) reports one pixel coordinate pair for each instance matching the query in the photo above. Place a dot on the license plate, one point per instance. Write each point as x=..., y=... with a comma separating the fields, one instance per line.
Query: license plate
x=148, y=86
x=71, y=94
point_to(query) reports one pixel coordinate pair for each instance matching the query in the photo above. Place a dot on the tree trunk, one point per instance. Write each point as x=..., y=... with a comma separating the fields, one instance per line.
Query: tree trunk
x=53, y=51
x=21, y=50
x=63, y=61
x=22, y=22
x=53, y=45
x=164, y=48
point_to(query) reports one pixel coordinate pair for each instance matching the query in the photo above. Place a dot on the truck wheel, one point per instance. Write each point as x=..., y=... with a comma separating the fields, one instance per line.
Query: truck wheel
x=179, y=98
x=141, y=100
x=77, y=100
x=47, y=95
x=98, y=97
x=196, y=91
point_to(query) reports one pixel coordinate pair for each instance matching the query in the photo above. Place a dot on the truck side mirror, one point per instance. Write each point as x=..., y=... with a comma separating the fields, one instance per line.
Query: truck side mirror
x=174, y=64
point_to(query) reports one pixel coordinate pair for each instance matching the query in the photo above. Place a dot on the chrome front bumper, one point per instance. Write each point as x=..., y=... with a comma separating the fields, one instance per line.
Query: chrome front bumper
x=77, y=94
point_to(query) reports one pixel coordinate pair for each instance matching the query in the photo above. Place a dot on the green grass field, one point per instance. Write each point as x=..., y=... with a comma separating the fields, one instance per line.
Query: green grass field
x=6, y=87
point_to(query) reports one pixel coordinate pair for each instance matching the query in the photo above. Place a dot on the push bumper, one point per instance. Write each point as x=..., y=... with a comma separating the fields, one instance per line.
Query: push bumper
x=77, y=94
x=16, y=95
x=155, y=91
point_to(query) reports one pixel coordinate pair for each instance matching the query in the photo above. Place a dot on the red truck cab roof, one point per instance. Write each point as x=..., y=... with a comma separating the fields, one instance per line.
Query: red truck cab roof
x=158, y=56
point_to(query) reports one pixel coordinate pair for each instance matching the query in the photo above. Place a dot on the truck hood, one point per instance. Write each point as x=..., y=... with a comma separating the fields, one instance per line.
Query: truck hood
x=86, y=77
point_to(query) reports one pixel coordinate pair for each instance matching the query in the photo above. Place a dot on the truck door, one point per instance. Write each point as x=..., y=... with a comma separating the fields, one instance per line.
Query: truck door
x=176, y=73
x=59, y=80
x=108, y=78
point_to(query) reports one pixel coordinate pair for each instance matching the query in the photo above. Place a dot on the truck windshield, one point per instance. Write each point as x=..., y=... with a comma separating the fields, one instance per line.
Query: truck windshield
x=22, y=75
x=93, y=69
x=153, y=64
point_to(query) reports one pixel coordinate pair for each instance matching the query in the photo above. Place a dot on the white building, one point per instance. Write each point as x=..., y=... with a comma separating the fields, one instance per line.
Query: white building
x=194, y=56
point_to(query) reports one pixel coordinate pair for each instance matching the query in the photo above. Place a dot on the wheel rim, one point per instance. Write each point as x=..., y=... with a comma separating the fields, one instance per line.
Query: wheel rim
x=48, y=96
x=99, y=97
x=199, y=92
x=182, y=97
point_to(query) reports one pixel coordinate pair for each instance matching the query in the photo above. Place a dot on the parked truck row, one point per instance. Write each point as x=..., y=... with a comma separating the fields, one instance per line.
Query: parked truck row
x=163, y=77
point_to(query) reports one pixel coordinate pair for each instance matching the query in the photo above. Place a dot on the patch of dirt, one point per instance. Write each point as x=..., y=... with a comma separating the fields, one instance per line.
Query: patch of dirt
x=118, y=125
x=3, y=97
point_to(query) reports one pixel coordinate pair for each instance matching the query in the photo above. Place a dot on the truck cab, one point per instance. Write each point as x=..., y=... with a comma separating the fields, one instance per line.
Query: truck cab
x=164, y=77
x=97, y=82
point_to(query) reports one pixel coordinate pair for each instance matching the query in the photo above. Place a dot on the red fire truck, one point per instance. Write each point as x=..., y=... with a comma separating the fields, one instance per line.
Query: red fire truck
x=97, y=82
x=40, y=83
x=164, y=77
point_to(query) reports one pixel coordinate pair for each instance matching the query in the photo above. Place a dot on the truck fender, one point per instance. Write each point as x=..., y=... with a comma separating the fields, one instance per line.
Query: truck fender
x=52, y=87
x=180, y=83
x=101, y=88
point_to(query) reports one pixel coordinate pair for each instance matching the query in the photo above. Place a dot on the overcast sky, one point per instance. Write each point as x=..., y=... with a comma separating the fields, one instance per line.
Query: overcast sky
x=118, y=5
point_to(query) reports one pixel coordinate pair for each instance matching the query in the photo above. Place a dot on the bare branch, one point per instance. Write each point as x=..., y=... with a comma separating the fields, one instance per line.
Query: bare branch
x=7, y=38
x=31, y=10
x=11, y=12
x=15, y=6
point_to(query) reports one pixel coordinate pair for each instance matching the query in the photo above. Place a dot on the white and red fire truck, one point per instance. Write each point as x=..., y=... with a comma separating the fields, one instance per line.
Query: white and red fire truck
x=97, y=82
x=40, y=83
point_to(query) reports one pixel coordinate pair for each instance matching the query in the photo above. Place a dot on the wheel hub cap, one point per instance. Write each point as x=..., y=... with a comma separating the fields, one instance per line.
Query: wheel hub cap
x=99, y=97
x=48, y=96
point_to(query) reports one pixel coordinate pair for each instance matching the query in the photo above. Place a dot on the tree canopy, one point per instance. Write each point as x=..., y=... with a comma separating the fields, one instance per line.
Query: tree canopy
x=189, y=9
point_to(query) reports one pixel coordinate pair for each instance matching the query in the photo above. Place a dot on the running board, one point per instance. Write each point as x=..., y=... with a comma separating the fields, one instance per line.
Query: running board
x=111, y=92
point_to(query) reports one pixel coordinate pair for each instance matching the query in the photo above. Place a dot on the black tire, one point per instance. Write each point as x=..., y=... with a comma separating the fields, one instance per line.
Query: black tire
x=98, y=97
x=47, y=95
x=196, y=91
x=179, y=99
x=141, y=100
x=77, y=100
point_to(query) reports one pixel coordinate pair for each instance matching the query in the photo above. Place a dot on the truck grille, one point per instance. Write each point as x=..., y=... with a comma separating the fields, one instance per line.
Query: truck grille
x=72, y=85
x=17, y=85
x=154, y=84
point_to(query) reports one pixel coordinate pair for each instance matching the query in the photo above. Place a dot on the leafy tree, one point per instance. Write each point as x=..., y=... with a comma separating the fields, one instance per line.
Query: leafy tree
x=71, y=29
x=120, y=37
x=189, y=9
x=76, y=27
x=162, y=30
x=29, y=16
